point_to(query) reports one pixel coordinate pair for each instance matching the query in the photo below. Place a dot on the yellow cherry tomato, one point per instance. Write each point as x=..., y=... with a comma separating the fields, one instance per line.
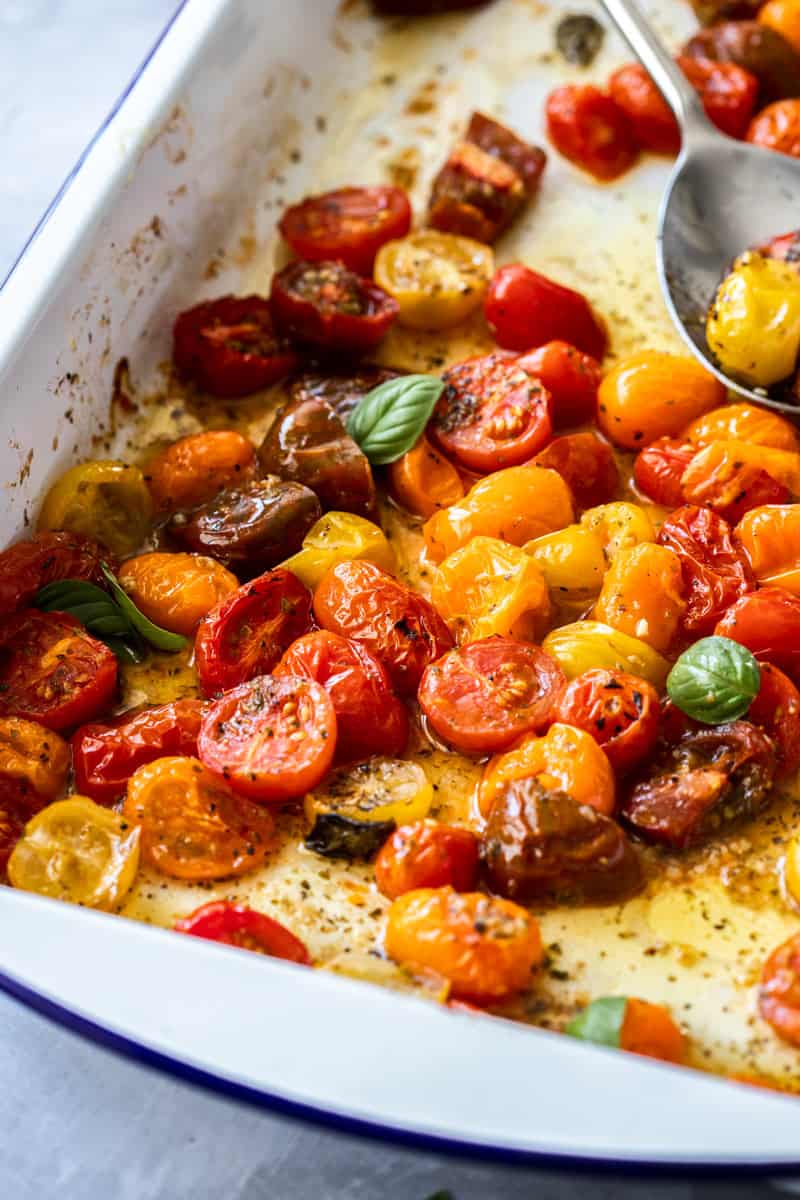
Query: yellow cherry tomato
x=753, y=327
x=78, y=851
x=490, y=587
x=379, y=790
x=770, y=537
x=743, y=422
x=585, y=644
x=619, y=525
x=336, y=537
x=642, y=594
x=573, y=564
x=106, y=500
x=720, y=460
x=651, y=395
x=437, y=279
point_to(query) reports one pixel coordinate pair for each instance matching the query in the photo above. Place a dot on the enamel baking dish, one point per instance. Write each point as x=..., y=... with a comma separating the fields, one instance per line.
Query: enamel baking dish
x=243, y=105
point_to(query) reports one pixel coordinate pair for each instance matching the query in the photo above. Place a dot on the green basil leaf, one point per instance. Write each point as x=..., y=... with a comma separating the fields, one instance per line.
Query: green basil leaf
x=600, y=1022
x=65, y=594
x=389, y=419
x=714, y=681
x=126, y=652
x=162, y=639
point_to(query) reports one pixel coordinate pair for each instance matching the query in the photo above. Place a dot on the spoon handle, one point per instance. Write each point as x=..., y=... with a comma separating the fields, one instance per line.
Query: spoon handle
x=654, y=57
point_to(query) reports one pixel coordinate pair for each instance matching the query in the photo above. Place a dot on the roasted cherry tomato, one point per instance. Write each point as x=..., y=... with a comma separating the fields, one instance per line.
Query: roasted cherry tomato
x=658, y=470
x=369, y=717
x=340, y=385
x=337, y=537
x=483, y=696
x=767, y=622
x=776, y=709
x=770, y=538
x=728, y=92
x=105, y=756
x=486, y=948
x=753, y=322
x=401, y=628
x=744, y=423
x=716, y=468
x=652, y=395
x=348, y=225
x=754, y=47
x=620, y=711
x=176, y=591
x=18, y=803
x=103, y=500
x=423, y=481
x=475, y=194
x=736, y=490
x=236, y=925
x=619, y=525
x=784, y=17
x=570, y=376
x=490, y=587
x=192, y=470
x=44, y=558
x=642, y=595
x=33, y=754
x=437, y=279
x=649, y=1029
x=525, y=309
x=651, y=119
x=715, y=570
x=427, y=854
x=590, y=129
x=192, y=825
x=325, y=304
x=354, y=810
x=229, y=346
x=777, y=127
x=779, y=995
x=586, y=464
x=573, y=564
x=527, y=160
x=247, y=633
x=52, y=671
x=582, y=645
x=491, y=414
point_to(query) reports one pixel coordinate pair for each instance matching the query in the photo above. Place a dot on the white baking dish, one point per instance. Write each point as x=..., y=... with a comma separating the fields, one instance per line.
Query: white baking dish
x=177, y=198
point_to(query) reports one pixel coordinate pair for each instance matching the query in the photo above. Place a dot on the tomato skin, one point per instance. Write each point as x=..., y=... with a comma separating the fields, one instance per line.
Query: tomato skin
x=720, y=479
x=246, y=634
x=653, y=394
x=271, y=739
x=34, y=754
x=779, y=995
x=776, y=708
x=570, y=376
x=524, y=308
x=229, y=346
x=491, y=414
x=401, y=628
x=475, y=194
x=482, y=697
x=620, y=711
x=237, y=925
x=777, y=127
x=329, y=306
x=427, y=854
x=651, y=119
x=767, y=622
x=104, y=756
x=349, y=225
x=586, y=464
x=590, y=129
x=527, y=160
x=728, y=92
x=44, y=558
x=176, y=590
x=658, y=470
x=715, y=570
x=192, y=470
x=369, y=717
x=650, y=1030
x=423, y=481
x=18, y=803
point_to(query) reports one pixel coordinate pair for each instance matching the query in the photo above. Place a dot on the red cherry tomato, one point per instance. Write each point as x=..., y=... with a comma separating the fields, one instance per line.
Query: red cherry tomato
x=401, y=628
x=767, y=622
x=44, y=558
x=779, y=995
x=52, y=671
x=651, y=119
x=715, y=570
x=236, y=925
x=658, y=470
x=229, y=346
x=586, y=464
x=348, y=225
x=570, y=376
x=369, y=717
x=526, y=309
x=426, y=855
x=776, y=708
x=591, y=130
x=481, y=697
x=620, y=711
x=246, y=633
x=325, y=304
x=727, y=90
x=18, y=803
x=491, y=414
x=105, y=756
x=270, y=739
x=777, y=127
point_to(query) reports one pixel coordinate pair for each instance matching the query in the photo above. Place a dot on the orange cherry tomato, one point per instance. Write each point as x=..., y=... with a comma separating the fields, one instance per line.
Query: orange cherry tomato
x=642, y=595
x=590, y=129
x=427, y=855
x=776, y=708
x=620, y=711
x=718, y=478
x=192, y=470
x=176, y=590
x=490, y=587
x=33, y=754
x=236, y=925
x=586, y=464
x=779, y=995
x=650, y=1030
x=570, y=376
x=770, y=537
x=658, y=470
x=18, y=803
x=566, y=759
x=423, y=481
x=193, y=826
x=714, y=467
x=784, y=17
x=652, y=395
x=777, y=127
x=743, y=423
x=485, y=947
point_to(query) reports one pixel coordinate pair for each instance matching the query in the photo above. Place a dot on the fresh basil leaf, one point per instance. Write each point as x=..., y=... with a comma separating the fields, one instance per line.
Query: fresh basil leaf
x=389, y=419
x=714, y=681
x=65, y=594
x=162, y=639
x=600, y=1022
x=126, y=652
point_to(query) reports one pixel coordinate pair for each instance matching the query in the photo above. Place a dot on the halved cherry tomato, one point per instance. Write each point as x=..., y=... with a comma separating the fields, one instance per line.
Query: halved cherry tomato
x=193, y=827
x=526, y=309
x=715, y=570
x=348, y=225
x=590, y=129
x=659, y=468
x=570, y=376
x=650, y=1030
x=719, y=477
x=777, y=127
x=272, y=739
x=103, y=499
x=767, y=622
x=651, y=395
x=236, y=925
x=620, y=711
x=192, y=470
x=728, y=92
x=52, y=671
x=18, y=803
x=779, y=995
x=369, y=717
x=44, y=558
x=651, y=119
x=325, y=304
x=229, y=346
x=483, y=696
x=475, y=194
x=491, y=414
x=528, y=160
x=34, y=754
x=105, y=756
x=401, y=628
x=176, y=591
x=586, y=464
x=437, y=279
x=776, y=708
x=246, y=633
x=423, y=481
x=427, y=854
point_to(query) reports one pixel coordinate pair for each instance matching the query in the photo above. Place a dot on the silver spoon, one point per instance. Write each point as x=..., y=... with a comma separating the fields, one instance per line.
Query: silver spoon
x=723, y=196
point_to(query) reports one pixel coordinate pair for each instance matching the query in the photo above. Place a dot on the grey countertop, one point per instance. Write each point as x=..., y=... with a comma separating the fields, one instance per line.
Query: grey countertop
x=76, y=1122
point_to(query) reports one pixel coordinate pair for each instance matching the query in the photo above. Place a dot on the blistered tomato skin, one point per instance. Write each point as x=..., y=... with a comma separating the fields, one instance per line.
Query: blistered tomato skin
x=586, y=644
x=777, y=127
x=475, y=194
x=744, y=423
x=490, y=587
x=104, y=500
x=591, y=130
x=767, y=622
x=620, y=711
x=192, y=470
x=659, y=469
x=651, y=395
x=770, y=537
x=642, y=595
x=230, y=347
x=728, y=479
x=728, y=92
x=425, y=855
x=714, y=568
x=753, y=326
x=524, y=308
x=349, y=225
x=423, y=481
x=340, y=537
x=44, y=558
x=586, y=464
x=776, y=709
x=570, y=376
x=651, y=119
